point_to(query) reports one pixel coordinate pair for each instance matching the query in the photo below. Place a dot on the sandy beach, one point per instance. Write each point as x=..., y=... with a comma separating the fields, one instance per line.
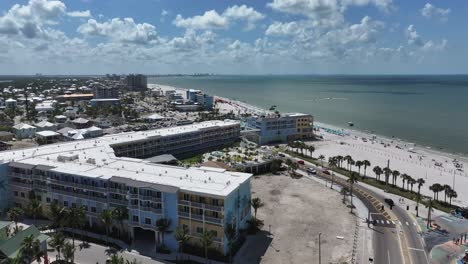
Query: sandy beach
x=417, y=161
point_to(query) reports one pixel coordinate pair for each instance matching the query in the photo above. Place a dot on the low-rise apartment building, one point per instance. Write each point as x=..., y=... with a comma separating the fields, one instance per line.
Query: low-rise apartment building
x=281, y=128
x=103, y=173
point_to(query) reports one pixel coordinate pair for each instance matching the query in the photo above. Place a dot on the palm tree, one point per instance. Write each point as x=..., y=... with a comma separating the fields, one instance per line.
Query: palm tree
x=366, y=164
x=207, y=239
x=15, y=214
x=351, y=163
x=230, y=233
x=418, y=200
x=347, y=158
x=352, y=179
x=378, y=171
x=163, y=226
x=76, y=219
x=387, y=171
x=256, y=203
x=106, y=218
x=404, y=177
x=31, y=249
x=436, y=188
x=311, y=149
x=57, y=242
x=395, y=174
x=446, y=189
x=332, y=162
x=57, y=214
x=412, y=181
x=120, y=214
x=359, y=164
x=340, y=159
x=452, y=194
x=34, y=208
x=68, y=252
x=321, y=158
x=420, y=182
x=182, y=237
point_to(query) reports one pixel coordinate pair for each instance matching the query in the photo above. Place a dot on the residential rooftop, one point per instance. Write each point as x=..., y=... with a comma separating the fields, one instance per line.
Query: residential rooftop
x=95, y=158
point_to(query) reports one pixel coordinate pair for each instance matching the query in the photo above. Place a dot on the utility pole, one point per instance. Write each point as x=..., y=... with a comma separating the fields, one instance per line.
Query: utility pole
x=320, y=256
x=331, y=186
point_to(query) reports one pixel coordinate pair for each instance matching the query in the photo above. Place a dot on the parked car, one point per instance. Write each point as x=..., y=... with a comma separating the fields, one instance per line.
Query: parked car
x=389, y=202
x=300, y=162
x=326, y=172
x=281, y=155
x=311, y=171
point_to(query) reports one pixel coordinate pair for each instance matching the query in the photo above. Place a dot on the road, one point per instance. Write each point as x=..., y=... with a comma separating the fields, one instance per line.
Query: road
x=396, y=235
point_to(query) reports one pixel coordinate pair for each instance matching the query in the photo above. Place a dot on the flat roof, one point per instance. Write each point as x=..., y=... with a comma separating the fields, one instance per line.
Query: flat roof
x=107, y=165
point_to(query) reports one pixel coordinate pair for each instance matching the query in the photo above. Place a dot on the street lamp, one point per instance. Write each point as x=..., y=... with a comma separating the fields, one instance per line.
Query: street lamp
x=320, y=256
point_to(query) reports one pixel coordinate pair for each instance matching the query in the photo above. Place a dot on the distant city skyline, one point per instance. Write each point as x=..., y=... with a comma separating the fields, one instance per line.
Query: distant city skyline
x=87, y=37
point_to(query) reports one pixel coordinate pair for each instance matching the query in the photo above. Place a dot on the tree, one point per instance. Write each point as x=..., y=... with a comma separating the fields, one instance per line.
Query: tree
x=321, y=158
x=256, y=204
x=446, y=189
x=207, y=239
x=275, y=165
x=57, y=214
x=411, y=182
x=348, y=159
x=230, y=233
x=436, y=188
x=352, y=180
x=420, y=182
x=182, y=237
x=395, y=175
x=119, y=214
x=429, y=211
x=57, y=242
x=452, y=194
x=359, y=164
x=387, y=171
x=311, y=150
x=106, y=218
x=31, y=249
x=15, y=214
x=344, y=191
x=378, y=171
x=68, y=252
x=418, y=200
x=163, y=226
x=404, y=177
x=34, y=208
x=366, y=164
x=76, y=219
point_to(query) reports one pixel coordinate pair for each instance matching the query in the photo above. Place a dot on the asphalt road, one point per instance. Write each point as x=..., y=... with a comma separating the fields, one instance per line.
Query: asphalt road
x=395, y=240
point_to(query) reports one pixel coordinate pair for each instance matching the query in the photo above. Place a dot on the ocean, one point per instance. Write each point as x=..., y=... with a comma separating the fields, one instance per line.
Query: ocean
x=428, y=110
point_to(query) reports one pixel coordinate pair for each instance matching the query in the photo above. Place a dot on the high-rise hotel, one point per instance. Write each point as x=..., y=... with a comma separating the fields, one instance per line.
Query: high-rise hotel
x=108, y=172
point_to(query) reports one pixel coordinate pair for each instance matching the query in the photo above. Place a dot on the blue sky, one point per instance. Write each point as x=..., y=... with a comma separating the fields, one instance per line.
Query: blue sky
x=234, y=37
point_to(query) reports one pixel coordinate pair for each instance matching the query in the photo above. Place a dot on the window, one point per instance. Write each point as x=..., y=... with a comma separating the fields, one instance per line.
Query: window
x=15, y=193
x=85, y=208
x=135, y=218
x=22, y=195
x=65, y=203
x=214, y=233
x=48, y=199
x=200, y=230
x=186, y=197
x=93, y=209
x=214, y=201
x=148, y=221
x=200, y=211
x=215, y=215
x=73, y=205
x=201, y=199
x=185, y=227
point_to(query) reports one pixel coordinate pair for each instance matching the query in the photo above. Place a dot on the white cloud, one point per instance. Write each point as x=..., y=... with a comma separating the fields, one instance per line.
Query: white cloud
x=164, y=13
x=416, y=40
x=80, y=14
x=243, y=12
x=384, y=5
x=430, y=11
x=213, y=20
x=122, y=30
x=209, y=20
x=29, y=20
x=283, y=29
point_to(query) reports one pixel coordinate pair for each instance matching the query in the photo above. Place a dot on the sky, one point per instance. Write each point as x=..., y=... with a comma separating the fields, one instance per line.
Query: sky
x=234, y=37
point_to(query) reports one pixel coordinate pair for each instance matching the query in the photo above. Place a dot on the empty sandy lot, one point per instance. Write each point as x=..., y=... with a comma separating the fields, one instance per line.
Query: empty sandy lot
x=295, y=211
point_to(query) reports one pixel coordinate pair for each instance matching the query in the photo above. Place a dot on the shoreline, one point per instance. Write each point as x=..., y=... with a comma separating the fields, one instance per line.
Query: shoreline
x=258, y=110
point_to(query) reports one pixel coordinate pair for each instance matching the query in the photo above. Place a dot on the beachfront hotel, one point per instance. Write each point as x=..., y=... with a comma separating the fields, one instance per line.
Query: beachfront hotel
x=106, y=173
x=280, y=128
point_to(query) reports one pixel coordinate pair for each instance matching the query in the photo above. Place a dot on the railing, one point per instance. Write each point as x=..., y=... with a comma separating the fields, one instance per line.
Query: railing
x=82, y=195
x=117, y=201
x=77, y=185
x=149, y=198
x=202, y=205
x=133, y=206
x=197, y=217
x=20, y=175
x=21, y=184
x=213, y=220
x=119, y=191
x=184, y=214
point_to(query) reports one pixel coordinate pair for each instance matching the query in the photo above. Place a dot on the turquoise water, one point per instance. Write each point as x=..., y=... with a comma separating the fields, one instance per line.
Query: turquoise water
x=427, y=110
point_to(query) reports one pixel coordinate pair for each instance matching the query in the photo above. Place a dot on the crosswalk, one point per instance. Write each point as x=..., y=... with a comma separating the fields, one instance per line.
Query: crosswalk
x=392, y=222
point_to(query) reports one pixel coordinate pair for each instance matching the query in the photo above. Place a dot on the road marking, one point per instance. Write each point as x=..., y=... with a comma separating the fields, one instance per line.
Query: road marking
x=393, y=222
x=388, y=222
x=407, y=223
x=414, y=223
x=388, y=254
x=417, y=249
x=447, y=219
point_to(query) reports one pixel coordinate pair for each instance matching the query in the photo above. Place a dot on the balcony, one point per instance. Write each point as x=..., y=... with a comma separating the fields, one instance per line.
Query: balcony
x=202, y=205
x=149, y=198
x=21, y=184
x=20, y=175
x=213, y=220
x=117, y=201
x=118, y=191
x=77, y=185
x=184, y=214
